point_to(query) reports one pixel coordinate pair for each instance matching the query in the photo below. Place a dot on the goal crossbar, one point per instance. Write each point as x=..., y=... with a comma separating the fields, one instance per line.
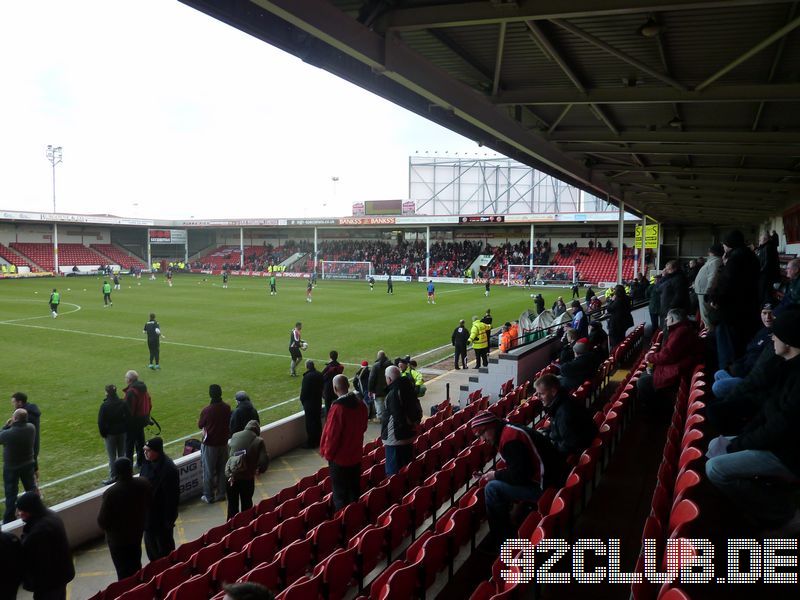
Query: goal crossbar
x=540, y=274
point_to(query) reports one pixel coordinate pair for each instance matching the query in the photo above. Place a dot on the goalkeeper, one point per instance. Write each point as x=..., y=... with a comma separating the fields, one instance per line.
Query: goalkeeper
x=296, y=344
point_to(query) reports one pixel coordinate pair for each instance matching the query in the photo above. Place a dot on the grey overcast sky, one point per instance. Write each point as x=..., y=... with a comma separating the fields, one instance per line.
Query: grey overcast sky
x=165, y=112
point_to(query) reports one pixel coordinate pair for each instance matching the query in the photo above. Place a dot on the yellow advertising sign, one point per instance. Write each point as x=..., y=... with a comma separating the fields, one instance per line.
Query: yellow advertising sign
x=650, y=239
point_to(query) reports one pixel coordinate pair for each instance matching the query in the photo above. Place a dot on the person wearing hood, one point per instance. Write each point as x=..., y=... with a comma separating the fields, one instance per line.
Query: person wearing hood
x=735, y=295
x=768, y=448
x=164, y=478
x=139, y=404
x=243, y=413
x=377, y=383
x=705, y=280
x=46, y=557
x=241, y=483
x=342, y=442
x=113, y=422
x=215, y=424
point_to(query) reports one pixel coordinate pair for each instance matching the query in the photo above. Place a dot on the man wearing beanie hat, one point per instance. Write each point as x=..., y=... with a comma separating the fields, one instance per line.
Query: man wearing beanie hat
x=122, y=516
x=521, y=480
x=752, y=468
x=47, y=559
x=215, y=423
x=735, y=296
x=243, y=413
x=248, y=455
x=163, y=476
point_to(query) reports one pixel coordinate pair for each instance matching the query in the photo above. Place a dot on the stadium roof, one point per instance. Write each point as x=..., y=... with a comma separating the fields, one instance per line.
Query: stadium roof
x=686, y=110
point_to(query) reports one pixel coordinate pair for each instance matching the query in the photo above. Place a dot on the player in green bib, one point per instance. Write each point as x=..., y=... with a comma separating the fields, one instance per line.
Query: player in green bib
x=107, y=295
x=55, y=300
x=272, y=286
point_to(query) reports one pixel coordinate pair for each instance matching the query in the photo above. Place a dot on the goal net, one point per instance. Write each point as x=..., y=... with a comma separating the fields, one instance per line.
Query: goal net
x=346, y=269
x=539, y=275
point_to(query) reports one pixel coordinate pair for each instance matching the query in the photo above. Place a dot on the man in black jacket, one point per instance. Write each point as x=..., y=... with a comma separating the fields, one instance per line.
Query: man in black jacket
x=571, y=427
x=311, y=399
x=122, y=516
x=752, y=468
x=580, y=368
x=113, y=422
x=11, y=559
x=164, y=480
x=398, y=425
x=673, y=290
x=460, y=339
x=243, y=413
x=46, y=557
x=377, y=384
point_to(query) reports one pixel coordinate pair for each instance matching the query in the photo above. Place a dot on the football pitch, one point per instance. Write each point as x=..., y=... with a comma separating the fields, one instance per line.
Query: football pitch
x=236, y=337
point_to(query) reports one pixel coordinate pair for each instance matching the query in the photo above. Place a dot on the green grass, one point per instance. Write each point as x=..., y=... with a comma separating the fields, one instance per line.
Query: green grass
x=236, y=337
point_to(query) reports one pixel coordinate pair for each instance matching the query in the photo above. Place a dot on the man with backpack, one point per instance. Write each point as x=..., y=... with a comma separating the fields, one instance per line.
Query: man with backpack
x=400, y=419
x=139, y=404
x=248, y=455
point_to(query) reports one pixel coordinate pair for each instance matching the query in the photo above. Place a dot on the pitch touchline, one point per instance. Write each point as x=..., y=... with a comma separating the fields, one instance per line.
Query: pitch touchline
x=122, y=337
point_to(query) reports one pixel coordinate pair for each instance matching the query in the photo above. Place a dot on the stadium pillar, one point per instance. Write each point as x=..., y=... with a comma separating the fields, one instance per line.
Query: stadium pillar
x=149, y=252
x=316, y=251
x=620, y=231
x=530, y=249
x=658, y=248
x=644, y=244
x=55, y=245
x=427, y=251
x=241, y=248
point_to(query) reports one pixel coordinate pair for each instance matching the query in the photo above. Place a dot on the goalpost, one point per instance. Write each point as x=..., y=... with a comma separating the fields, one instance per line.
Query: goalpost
x=346, y=269
x=554, y=275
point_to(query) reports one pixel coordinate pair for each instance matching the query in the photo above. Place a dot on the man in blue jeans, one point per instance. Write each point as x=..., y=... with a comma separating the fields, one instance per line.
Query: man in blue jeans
x=520, y=480
x=757, y=468
x=399, y=420
x=727, y=379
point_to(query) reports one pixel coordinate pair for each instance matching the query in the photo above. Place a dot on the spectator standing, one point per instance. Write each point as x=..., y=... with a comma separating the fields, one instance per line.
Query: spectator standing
x=311, y=399
x=164, y=480
x=139, y=404
x=769, y=267
x=20, y=400
x=122, y=516
x=113, y=421
x=619, y=316
x=331, y=370
x=538, y=302
x=479, y=337
x=243, y=413
x=248, y=450
x=215, y=423
x=653, y=296
x=398, y=425
x=46, y=557
x=520, y=481
x=674, y=290
x=705, y=280
x=17, y=440
x=377, y=384
x=460, y=339
x=736, y=297
x=342, y=442
x=559, y=307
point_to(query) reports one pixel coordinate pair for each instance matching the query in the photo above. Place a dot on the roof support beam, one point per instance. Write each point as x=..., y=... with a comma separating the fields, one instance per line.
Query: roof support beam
x=779, y=92
x=560, y=118
x=498, y=61
x=588, y=37
x=679, y=137
x=693, y=149
x=766, y=42
x=467, y=14
x=743, y=172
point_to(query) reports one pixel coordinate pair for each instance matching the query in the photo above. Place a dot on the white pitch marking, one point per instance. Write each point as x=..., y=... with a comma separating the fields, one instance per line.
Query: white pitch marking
x=47, y=316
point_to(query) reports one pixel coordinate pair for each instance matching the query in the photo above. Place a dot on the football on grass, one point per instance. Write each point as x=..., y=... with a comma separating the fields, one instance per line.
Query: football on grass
x=304, y=345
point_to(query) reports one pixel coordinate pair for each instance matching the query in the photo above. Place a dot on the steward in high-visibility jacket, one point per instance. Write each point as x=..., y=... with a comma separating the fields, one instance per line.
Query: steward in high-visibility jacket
x=514, y=331
x=479, y=334
x=505, y=338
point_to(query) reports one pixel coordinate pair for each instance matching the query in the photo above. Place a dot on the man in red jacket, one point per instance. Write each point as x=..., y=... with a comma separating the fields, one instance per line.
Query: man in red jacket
x=674, y=361
x=342, y=442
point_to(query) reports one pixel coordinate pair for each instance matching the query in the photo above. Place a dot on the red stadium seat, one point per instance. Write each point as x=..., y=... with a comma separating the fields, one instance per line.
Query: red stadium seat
x=172, y=577
x=354, y=518
x=154, y=568
x=242, y=518
x=215, y=534
x=291, y=529
x=236, y=539
x=205, y=557
x=262, y=548
x=295, y=559
x=315, y=514
x=327, y=537
x=305, y=588
x=338, y=573
x=144, y=591
x=184, y=552
x=228, y=569
x=265, y=522
x=266, y=574
x=198, y=586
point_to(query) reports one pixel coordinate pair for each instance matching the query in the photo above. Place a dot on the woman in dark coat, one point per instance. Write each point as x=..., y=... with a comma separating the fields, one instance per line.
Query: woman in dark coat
x=619, y=316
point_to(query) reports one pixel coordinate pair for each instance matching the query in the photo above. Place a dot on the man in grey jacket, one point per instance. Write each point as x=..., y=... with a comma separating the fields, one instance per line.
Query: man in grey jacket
x=18, y=461
x=705, y=280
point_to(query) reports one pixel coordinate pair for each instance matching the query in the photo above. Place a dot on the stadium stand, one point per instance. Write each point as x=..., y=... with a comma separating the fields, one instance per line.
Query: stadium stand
x=68, y=254
x=595, y=265
x=15, y=259
x=255, y=257
x=116, y=256
x=406, y=531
